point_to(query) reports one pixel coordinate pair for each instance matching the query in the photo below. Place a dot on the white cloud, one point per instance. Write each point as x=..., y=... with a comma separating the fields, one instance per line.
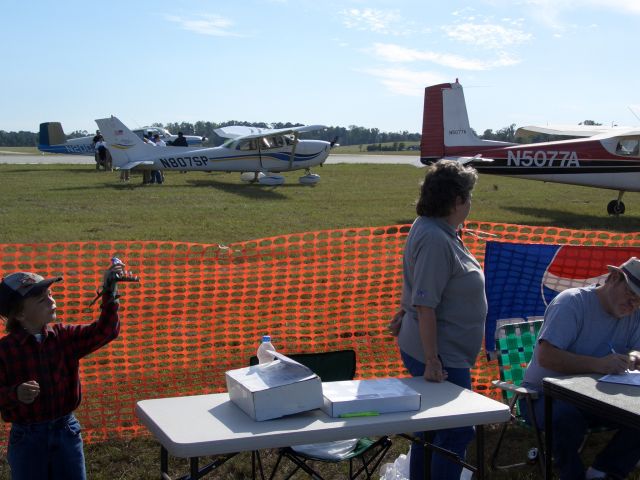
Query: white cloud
x=549, y=12
x=378, y=21
x=402, y=81
x=396, y=53
x=486, y=35
x=206, y=24
x=624, y=6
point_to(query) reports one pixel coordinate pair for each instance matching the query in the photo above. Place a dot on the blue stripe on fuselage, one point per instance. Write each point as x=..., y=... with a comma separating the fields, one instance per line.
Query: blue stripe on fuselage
x=68, y=149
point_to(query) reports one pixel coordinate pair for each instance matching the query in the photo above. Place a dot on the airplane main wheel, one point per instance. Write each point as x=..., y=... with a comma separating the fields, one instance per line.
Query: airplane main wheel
x=615, y=207
x=250, y=177
x=309, y=179
x=271, y=180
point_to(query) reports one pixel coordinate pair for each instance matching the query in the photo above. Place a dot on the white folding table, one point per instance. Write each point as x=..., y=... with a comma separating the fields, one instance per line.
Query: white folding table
x=205, y=425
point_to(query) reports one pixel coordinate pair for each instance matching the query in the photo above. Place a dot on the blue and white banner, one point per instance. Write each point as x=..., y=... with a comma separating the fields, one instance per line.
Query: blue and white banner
x=522, y=279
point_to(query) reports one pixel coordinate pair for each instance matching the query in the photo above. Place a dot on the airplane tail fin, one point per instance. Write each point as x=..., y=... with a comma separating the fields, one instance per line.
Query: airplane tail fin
x=51, y=133
x=445, y=125
x=124, y=145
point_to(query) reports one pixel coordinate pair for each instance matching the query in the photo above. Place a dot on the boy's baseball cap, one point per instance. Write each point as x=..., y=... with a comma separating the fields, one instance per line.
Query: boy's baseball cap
x=21, y=285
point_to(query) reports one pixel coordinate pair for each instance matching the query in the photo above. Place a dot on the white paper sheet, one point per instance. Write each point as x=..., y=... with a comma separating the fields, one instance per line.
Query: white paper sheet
x=628, y=378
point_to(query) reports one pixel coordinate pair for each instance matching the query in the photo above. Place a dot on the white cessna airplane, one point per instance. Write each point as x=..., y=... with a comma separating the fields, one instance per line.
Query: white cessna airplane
x=257, y=153
x=53, y=140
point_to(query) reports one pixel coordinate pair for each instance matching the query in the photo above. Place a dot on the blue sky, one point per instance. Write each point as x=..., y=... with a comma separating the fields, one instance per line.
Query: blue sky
x=345, y=62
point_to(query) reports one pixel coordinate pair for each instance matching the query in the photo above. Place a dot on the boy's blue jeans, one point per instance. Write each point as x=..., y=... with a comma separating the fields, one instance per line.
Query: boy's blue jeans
x=453, y=439
x=570, y=425
x=47, y=450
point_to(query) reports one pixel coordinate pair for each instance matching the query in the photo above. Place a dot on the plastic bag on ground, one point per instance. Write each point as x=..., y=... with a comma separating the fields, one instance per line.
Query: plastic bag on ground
x=398, y=470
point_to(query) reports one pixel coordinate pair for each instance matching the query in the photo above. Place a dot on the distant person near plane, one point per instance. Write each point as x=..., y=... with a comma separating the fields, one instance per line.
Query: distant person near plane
x=180, y=141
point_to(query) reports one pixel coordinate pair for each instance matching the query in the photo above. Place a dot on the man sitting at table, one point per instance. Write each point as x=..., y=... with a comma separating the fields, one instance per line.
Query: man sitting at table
x=594, y=329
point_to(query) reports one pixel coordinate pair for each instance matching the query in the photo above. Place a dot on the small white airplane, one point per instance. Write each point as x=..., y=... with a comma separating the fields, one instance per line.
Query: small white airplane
x=608, y=158
x=53, y=140
x=257, y=153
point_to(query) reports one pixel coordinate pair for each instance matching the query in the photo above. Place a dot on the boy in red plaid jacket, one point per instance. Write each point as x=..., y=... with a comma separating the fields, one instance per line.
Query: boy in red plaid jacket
x=39, y=380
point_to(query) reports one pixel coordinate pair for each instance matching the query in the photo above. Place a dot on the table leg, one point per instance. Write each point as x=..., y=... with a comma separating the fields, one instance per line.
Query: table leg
x=195, y=469
x=428, y=440
x=164, y=462
x=480, y=451
x=548, y=432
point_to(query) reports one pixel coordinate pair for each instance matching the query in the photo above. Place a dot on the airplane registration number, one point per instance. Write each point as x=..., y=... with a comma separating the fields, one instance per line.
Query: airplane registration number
x=542, y=158
x=183, y=162
x=79, y=148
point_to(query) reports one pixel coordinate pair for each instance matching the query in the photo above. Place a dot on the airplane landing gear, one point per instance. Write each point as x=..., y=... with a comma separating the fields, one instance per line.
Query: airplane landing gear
x=616, y=207
x=309, y=178
x=271, y=179
x=251, y=177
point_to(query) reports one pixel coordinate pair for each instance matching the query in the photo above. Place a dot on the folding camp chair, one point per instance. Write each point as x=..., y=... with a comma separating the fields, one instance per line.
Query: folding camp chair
x=364, y=459
x=514, y=347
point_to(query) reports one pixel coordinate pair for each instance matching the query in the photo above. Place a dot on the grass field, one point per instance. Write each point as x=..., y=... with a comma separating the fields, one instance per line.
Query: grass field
x=46, y=203
x=19, y=150
x=362, y=149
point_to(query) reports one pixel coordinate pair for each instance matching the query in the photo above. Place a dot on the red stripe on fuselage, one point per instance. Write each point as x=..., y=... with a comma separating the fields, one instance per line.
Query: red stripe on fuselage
x=584, y=149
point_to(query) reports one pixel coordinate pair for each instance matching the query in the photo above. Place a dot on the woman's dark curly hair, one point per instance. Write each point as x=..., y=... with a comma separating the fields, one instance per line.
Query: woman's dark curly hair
x=444, y=182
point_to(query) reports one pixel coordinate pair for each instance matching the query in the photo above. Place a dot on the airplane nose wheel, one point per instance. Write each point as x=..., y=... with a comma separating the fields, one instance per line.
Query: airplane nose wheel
x=309, y=178
x=615, y=207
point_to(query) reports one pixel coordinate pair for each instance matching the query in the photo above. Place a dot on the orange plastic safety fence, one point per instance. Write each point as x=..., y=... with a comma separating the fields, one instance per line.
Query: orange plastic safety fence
x=201, y=309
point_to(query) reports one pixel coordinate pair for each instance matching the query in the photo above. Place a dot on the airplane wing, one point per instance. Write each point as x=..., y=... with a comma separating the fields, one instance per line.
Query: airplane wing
x=571, y=130
x=239, y=131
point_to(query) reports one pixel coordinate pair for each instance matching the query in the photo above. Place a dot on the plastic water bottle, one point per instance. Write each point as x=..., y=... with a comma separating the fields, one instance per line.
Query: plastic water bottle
x=263, y=350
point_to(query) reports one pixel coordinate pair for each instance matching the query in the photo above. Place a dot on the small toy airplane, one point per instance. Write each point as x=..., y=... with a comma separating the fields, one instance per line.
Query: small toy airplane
x=257, y=153
x=607, y=158
x=53, y=140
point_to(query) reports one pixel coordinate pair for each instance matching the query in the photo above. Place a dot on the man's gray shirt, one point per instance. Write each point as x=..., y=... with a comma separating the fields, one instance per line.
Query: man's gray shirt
x=576, y=322
x=440, y=273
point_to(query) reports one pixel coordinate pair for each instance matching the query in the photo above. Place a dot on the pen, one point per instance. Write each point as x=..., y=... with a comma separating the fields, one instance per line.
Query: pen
x=359, y=414
x=611, y=348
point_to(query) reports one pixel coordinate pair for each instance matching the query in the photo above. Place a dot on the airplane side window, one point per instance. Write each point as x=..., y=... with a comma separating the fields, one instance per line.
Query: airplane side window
x=265, y=143
x=244, y=146
x=628, y=147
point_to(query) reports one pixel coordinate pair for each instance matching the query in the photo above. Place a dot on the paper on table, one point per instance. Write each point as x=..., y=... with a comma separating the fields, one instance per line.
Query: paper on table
x=628, y=378
x=281, y=371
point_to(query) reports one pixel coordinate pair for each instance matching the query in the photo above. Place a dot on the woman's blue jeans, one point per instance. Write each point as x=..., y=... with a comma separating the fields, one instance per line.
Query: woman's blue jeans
x=47, y=450
x=453, y=439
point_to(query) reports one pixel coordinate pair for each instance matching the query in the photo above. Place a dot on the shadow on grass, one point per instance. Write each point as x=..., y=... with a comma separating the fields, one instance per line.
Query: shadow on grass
x=249, y=190
x=564, y=219
x=252, y=191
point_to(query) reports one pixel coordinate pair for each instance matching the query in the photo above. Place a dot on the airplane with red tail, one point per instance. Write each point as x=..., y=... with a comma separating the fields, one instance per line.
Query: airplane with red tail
x=607, y=158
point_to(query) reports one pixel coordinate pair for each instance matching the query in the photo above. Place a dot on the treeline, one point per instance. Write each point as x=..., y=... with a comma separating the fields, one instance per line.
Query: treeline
x=18, y=139
x=352, y=135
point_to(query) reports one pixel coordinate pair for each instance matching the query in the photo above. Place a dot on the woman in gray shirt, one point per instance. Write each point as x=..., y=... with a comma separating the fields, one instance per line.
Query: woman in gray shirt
x=441, y=323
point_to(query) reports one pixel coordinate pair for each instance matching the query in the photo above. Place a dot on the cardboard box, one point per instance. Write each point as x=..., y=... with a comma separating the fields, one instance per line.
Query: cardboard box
x=274, y=389
x=368, y=397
